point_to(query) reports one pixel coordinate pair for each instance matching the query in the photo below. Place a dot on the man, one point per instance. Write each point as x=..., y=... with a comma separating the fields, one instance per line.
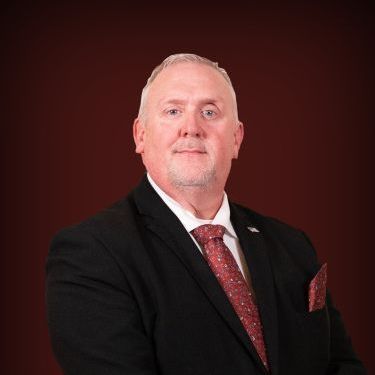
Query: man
x=175, y=279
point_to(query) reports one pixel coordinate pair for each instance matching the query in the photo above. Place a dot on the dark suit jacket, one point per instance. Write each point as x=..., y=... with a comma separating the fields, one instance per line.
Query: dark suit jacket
x=128, y=292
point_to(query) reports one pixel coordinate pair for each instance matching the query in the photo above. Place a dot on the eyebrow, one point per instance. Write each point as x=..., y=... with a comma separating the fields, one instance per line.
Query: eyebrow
x=183, y=101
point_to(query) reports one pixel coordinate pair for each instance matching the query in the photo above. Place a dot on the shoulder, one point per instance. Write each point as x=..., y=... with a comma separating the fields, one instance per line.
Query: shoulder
x=278, y=234
x=110, y=227
x=266, y=223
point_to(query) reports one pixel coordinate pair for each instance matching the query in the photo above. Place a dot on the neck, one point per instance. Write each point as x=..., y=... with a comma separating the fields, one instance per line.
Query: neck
x=202, y=201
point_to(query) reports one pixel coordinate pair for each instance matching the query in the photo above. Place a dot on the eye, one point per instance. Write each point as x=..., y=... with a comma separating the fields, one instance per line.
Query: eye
x=173, y=112
x=208, y=113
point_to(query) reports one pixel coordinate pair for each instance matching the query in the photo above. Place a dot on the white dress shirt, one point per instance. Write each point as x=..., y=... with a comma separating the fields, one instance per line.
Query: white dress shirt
x=222, y=217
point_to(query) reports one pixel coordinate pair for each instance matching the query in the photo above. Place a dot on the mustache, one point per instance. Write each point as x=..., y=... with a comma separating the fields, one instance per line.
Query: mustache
x=190, y=144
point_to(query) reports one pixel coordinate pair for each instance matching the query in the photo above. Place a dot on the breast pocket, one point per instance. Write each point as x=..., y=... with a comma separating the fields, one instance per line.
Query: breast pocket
x=317, y=319
x=306, y=333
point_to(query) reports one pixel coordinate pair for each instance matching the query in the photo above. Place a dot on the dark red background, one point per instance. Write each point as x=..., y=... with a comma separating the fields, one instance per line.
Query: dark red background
x=72, y=76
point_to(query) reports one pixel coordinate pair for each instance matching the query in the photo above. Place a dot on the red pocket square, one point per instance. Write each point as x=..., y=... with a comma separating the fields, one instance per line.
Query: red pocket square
x=317, y=289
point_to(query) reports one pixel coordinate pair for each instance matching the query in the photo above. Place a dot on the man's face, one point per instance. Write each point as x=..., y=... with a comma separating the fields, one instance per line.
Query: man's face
x=190, y=133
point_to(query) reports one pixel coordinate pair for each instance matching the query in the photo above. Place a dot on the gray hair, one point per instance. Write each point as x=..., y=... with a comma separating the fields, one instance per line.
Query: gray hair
x=181, y=58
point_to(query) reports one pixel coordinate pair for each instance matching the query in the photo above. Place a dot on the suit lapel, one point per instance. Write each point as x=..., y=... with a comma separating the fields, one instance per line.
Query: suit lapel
x=162, y=221
x=254, y=248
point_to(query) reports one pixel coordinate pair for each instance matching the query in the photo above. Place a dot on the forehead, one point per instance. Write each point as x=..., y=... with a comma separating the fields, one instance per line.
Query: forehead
x=189, y=79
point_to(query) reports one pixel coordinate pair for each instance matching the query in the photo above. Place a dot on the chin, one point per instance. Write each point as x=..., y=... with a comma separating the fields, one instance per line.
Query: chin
x=201, y=179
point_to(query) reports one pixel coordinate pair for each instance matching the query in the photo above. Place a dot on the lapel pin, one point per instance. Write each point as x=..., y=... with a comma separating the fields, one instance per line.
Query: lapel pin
x=253, y=229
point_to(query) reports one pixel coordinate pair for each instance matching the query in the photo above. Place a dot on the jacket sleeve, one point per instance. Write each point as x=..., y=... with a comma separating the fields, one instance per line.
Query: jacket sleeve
x=343, y=360
x=94, y=320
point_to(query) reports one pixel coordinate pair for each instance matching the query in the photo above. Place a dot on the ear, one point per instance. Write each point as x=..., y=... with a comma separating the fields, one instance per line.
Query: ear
x=138, y=135
x=238, y=137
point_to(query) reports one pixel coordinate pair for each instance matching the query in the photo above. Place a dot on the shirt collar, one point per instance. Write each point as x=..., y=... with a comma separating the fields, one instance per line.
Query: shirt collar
x=187, y=218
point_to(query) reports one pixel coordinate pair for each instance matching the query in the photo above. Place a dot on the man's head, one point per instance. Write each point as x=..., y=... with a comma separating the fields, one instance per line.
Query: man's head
x=187, y=130
x=180, y=58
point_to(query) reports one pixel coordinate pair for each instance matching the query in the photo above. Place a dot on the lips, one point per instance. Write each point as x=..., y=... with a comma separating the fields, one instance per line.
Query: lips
x=190, y=151
x=190, y=147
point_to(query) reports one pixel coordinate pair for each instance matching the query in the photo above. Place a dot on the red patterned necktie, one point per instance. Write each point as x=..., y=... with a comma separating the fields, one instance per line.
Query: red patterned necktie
x=227, y=272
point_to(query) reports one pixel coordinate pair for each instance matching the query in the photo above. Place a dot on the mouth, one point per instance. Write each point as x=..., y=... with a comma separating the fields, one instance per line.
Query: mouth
x=189, y=147
x=190, y=151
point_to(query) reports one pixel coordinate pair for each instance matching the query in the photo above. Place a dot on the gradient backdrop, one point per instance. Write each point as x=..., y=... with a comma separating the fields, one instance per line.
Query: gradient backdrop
x=72, y=75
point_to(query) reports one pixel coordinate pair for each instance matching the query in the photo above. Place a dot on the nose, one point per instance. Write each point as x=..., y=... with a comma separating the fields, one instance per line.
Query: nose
x=191, y=127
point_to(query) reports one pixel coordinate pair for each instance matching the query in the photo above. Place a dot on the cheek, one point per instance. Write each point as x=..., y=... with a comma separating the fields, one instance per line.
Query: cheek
x=162, y=136
x=224, y=145
x=156, y=146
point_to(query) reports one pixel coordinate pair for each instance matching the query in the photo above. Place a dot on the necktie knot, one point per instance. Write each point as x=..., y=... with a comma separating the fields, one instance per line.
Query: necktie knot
x=207, y=232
